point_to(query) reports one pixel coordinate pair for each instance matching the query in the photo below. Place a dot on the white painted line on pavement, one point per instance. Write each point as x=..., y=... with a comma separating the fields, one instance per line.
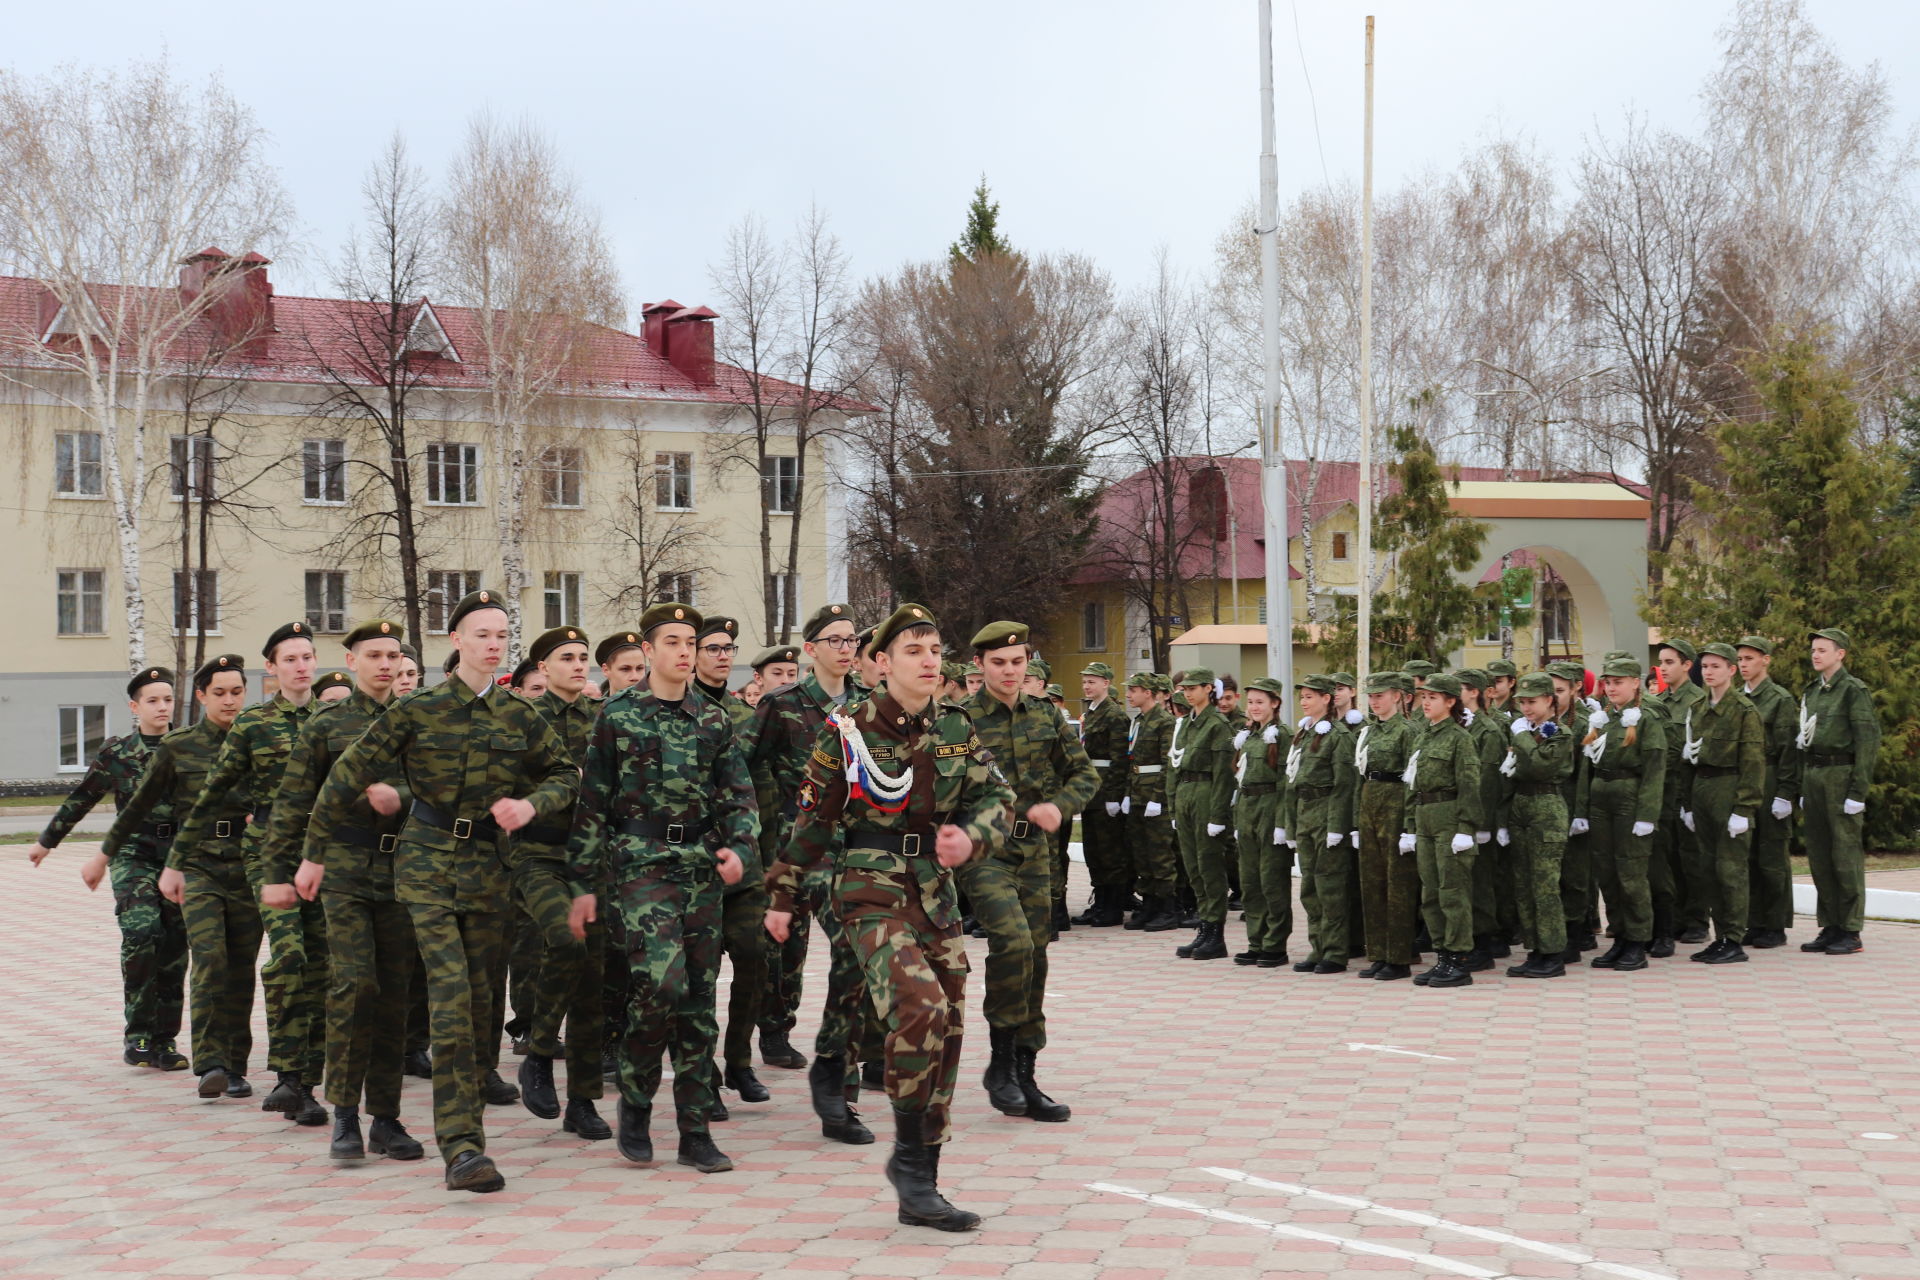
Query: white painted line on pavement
x=1353, y=1047
x=1434, y=1261
x=1881, y=1137
x=1559, y=1253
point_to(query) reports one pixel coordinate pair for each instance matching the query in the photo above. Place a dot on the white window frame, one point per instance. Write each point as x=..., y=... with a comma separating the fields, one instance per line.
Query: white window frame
x=675, y=588
x=786, y=601
x=1094, y=639
x=199, y=472
x=81, y=584
x=445, y=589
x=560, y=598
x=211, y=578
x=77, y=715
x=780, y=477
x=1548, y=599
x=673, y=481
x=71, y=473
x=323, y=466
x=331, y=619
x=560, y=463
x=453, y=458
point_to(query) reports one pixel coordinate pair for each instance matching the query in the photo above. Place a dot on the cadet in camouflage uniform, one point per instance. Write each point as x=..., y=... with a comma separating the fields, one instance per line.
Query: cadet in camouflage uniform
x=1011, y=889
x=1501, y=675
x=1200, y=755
x=1618, y=800
x=1681, y=887
x=462, y=749
x=666, y=803
x=1147, y=808
x=217, y=905
x=153, y=937
x=1389, y=878
x=922, y=798
x=1539, y=762
x=1266, y=864
x=1103, y=732
x=1840, y=738
x=1489, y=733
x=1576, y=865
x=1770, y=874
x=1317, y=815
x=1445, y=812
x=370, y=946
x=1727, y=746
x=623, y=665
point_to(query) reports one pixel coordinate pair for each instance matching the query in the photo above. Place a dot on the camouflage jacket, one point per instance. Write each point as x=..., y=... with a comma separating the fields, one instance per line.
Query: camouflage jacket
x=1489, y=733
x=1038, y=753
x=357, y=866
x=573, y=721
x=741, y=717
x=1677, y=702
x=1447, y=774
x=1325, y=761
x=1780, y=717
x=1845, y=728
x=1731, y=737
x=955, y=780
x=1204, y=741
x=1149, y=735
x=1103, y=732
x=250, y=763
x=1644, y=760
x=175, y=779
x=116, y=769
x=785, y=726
x=1261, y=767
x=1539, y=761
x=1388, y=743
x=654, y=762
x=455, y=752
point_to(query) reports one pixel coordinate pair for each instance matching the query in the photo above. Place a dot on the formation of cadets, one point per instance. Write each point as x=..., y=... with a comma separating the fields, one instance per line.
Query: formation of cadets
x=433, y=870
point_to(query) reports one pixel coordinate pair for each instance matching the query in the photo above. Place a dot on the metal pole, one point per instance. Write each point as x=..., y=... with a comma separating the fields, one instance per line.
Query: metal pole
x=1363, y=659
x=1273, y=467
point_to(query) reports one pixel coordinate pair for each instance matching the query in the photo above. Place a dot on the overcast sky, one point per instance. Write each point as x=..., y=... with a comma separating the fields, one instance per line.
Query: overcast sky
x=1107, y=128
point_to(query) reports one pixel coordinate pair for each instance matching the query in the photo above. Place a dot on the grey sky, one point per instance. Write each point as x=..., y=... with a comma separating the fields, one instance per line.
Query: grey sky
x=1107, y=128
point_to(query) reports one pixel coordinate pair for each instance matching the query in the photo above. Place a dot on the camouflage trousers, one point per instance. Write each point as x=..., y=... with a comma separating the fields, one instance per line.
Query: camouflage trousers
x=744, y=940
x=1103, y=845
x=787, y=961
x=153, y=951
x=1329, y=880
x=668, y=933
x=1389, y=879
x=1011, y=890
x=1770, y=868
x=371, y=953
x=562, y=979
x=1203, y=856
x=1151, y=853
x=460, y=951
x=1537, y=826
x=917, y=972
x=850, y=1027
x=1836, y=852
x=1266, y=874
x=514, y=929
x=1576, y=883
x=222, y=919
x=1681, y=878
x=294, y=982
x=523, y=972
x=1726, y=856
x=1620, y=857
x=1446, y=877
x=419, y=1031
x=1060, y=862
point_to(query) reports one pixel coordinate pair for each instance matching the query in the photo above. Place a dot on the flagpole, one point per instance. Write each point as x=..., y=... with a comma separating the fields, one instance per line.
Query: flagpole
x=1273, y=472
x=1363, y=659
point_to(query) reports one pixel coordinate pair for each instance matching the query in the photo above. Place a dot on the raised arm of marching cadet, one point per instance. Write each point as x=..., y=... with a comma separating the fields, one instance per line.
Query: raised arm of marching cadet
x=307, y=766
x=1538, y=759
x=93, y=788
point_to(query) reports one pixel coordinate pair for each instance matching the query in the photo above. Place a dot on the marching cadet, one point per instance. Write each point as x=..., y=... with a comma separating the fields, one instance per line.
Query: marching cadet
x=1501, y=674
x=1770, y=875
x=1840, y=739
x=294, y=979
x=217, y=905
x=1038, y=673
x=1266, y=866
x=621, y=661
x=336, y=686
x=1011, y=890
x=777, y=668
x=952, y=682
x=1539, y=762
x=1346, y=703
x=1618, y=799
x=1201, y=756
x=1576, y=865
x=666, y=802
x=974, y=678
x=1489, y=734
x=1389, y=877
x=1681, y=888
x=1147, y=807
x=563, y=980
x=1727, y=747
x=462, y=750
x=1418, y=669
x=370, y=948
x=1317, y=815
x=623, y=665
x=866, y=675
x=407, y=677
x=153, y=937
x=1104, y=729
x=1444, y=815
x=937, y=803
x=418, y=1061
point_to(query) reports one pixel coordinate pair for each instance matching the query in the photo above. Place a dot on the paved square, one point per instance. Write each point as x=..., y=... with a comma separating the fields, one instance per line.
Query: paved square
x=1687, y=1121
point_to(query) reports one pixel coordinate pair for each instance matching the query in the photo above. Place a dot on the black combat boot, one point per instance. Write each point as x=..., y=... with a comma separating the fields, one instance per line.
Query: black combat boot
x=743, y=1082
x=635, y=1143
x=496, y=1092
x=418, y=1063
x=312, y=1112
x=1820, y=941
x=1372, y=971
x=237, y=1086
x=1450, y=972
x=1730, y=952
x=347, y=1143
x=913, y=1171
x=213, y=1082
x=284, y=1097
x=472, y=1171
x=1003, y=1087
x=1474, y=961
x=388, y=1137
x=1162, y=914
x=873, y=1073
x=1662, y=945
x=536, y=1086
x=698, y=1152
x=1633, y=956
x=1393, y=972
x=1610, y=958
x=1039, y=1105
x=1211, y=944
x=1844, y=943
x=1093, y=906
x=1060, y=922
x=777, y=1051
x=1107, y=911
x=827, y=1081
x=1540, y=964
x=583, y=1119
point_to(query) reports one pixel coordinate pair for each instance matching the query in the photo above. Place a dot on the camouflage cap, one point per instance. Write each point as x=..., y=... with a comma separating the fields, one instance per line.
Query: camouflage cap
x=825, y=616
x=1622, y=669
x=907, y=615
x=1759, y=644
x=1269, y=686
x=1162, y=682
x=372, y=629
x=215, y=665
x=1497, y=667
x=779, y=653
x=1039, y=667
x=1444, y=682
x=1835, y=634
x=474, y=602
x=1681, y=647
x=1099, y=669
x=1472, y=677
x=972, y=669
x=1054, y=691
x=1143, y=680
x=1345, y=679
x=1571, y=672
x=953, y=672
x=1317, y=683
x=1389, y=682
x=1720, y=649
x=999, y=635
x=547, y=643
x=1612, y=655
x=284, y=632
x=1196, y=675
x=1534, y=684
x=603, y=653
x=666, y=613
x=334, y=680
x=716, y=625
x=1419, y=668
x=146, y=676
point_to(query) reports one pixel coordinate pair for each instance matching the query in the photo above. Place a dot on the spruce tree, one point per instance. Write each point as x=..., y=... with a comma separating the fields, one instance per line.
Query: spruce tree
x=982, y=236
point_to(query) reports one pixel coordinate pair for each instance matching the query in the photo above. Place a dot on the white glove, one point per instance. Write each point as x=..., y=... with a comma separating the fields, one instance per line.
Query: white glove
x=1126, y=804
x=1630, y=717
x=1215, y=828
x=1520, y=725
x=1853, y=806
x=1462, y=842
x=1598, y=720
x=1579, y=827
x=1482, y=837
x=1306, y=722
x=1113, y=808
x=1408, y=842
x=1504, y=836
x=1334, y=838
x=1686, y=816
x=1507, y=766
x=1355, y=837
x=1152, y=810
x=1279, y=835
x=1643, y=828
x=1737, y=825
x=1782, y=808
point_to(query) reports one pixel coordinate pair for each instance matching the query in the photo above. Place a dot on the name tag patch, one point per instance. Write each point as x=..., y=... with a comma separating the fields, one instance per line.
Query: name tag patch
x=821, y=757
x=947, y=750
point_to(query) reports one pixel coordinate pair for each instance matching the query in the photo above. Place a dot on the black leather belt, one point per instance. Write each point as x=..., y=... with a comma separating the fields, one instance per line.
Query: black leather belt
x=261, y=815
x=1312, y=793
x=1259, y=789
x=366, y=839
x=1829, y=759
x=458, y=828
x=1440, y=797
x=1536, y=788
x=908, y=844
x=1715, y=770
x=671, y=832
x=1615, y=775
x=158, y=830
x=1386, y=775
x=227, y=829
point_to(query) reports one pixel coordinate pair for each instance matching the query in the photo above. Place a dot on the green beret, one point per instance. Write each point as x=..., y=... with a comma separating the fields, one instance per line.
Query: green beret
x=1534, y=684
x=1196, y=675
x=779, y=653
x=825, y=616
x=1444, y=682
x=907, y=615
x=1344, y=679
x=372, y=629
x=1419, y=668
x=215, y=665
x=669, y=611
x=287, y=631
x=1268, y=685
x=603, y=654
x=998, y=635
x=1497, y=667
x=1622, y=668
x=1389, y=682
x=333, y=680
x=1571, y=672
x=147, y=676
x=1039, y=667
x=1055, y=691
x=1681, y=647
x=1143, y=680
x=716, y=625
x=1471, y=676
x=1759, y=644
x=1319, y=684
x=1834, y=634
x=546, y=642
x=408, y=651
x=1100, y=669
x=473, y=602
x=1720, y=649
x=452, y=661
x=864, y=640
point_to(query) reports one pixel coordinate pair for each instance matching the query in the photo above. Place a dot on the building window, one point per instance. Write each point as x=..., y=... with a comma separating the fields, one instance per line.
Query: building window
x=673, y=481
x=780, y=484
x=562, y=593
x=786, y=600
x=196, y=601
x=673, y=588
x=81, y=602
x=1093, y=627
x=1339, y=542
x=192, y=470
x=77, y=471
x=323, y=471
x=327, y=601
x=82, y=731
x=1489, y=628
x=445, y=588
x=1263, y=611
x=453, y=475
x=1556, y=613
x=562, y=470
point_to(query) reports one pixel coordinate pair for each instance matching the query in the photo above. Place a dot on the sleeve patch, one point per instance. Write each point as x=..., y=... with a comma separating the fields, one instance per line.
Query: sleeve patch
x=947, y=750
x=821, y=757
x=809, y=796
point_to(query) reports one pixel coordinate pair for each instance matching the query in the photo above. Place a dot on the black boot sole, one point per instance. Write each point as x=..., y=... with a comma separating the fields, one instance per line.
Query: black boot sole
x=481, y=1180
x=415, y=1152
x=213, y=1084
x=722, y=1165
x=352, y=1153
x=570, y=1127
x=853, y=1136
x=959, y=1221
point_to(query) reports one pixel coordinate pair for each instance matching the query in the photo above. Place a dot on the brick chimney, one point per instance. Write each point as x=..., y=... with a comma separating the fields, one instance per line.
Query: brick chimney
x=239, y=298
x=653, y=325
x=689, y=343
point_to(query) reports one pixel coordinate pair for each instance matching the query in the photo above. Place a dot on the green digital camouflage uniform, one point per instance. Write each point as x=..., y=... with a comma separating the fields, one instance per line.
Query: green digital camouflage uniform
x=1444, y=802
x=153, y=934
x=1389, y=879
x=663, y=788
x=1151, y=850
x=1624, y=786
x=1840, y=738
x=896, y=902
x=1576, y=862
x=1200, y=754
x=1489, y=733
x=1676, y=871
x=370, y=946
x=1537, y=823
x=294, y=979
x=1770, y=873
x=1103, y=732
x=743, y=911
x=457, y=752
x=1318, y=803
x=1266, y=866
x=221, y=915
x=1011, y=888
x=1729, y=773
